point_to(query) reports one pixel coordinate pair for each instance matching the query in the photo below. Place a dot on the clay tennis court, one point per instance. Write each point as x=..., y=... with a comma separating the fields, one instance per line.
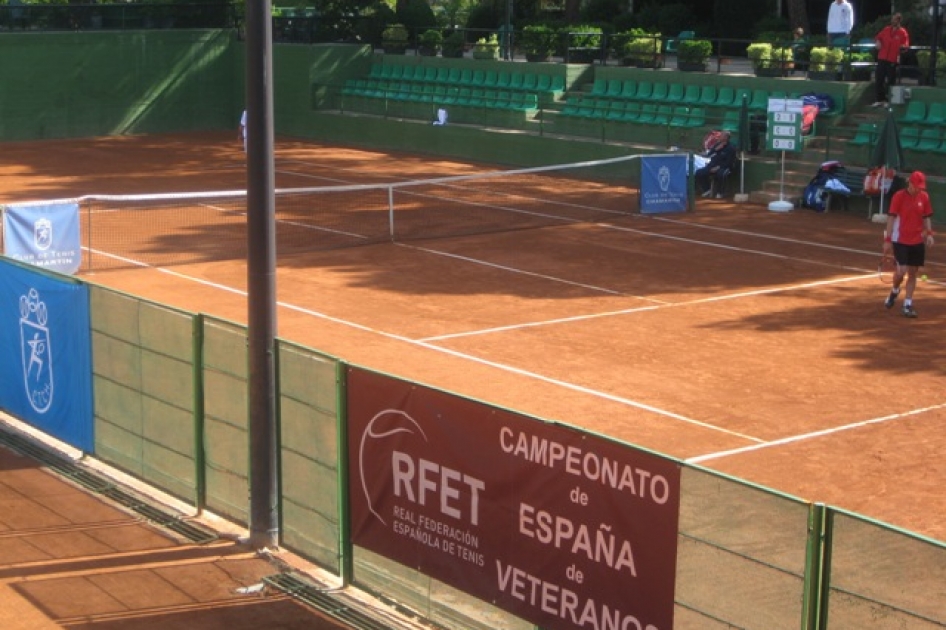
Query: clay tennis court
x=749, y=341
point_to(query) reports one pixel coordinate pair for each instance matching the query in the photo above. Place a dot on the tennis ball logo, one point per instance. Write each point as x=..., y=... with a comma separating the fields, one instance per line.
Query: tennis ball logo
x=383, y=426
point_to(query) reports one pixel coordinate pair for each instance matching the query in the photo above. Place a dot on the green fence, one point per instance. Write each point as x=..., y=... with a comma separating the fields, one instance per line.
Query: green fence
x=171, y=409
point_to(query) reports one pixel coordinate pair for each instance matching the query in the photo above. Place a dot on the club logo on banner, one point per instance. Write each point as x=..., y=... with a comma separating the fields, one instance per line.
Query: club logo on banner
x=664, y=184
x=36, y=352
x=46, y=378
x=567, y=530
x=44, y=235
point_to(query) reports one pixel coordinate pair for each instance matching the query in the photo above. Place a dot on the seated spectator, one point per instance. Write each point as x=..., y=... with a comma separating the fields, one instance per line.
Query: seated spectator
x=801, y=48
x=712, y=176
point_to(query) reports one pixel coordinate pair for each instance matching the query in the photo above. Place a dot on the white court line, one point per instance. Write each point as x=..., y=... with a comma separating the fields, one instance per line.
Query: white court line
x=522, y=272
x=639, y=309
x=813, y=434
x=461, y=355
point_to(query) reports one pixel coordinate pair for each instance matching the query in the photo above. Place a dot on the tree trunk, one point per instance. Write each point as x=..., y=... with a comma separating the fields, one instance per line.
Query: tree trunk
x=798, y=15
x=572, y=10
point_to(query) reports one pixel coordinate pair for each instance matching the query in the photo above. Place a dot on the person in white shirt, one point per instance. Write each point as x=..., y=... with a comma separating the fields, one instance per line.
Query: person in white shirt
x=840, y=23
x=242, y=132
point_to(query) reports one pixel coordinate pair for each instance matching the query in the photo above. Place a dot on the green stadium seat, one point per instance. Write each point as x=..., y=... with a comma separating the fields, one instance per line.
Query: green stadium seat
x=529, y=81
x=492, y=78
x=430, y=74
x=629, y=89
x=663, y=114
x=377, y=71
x=599, y=87
x=463, y=95
x=916, y=113
x=647, y=114
x=691, y=96
x=708, y=95
x=515, y=81
x=936, y=114
x=680, y=116
x=675, y=93
x=632, y=111
x=503, y=79
x=659, y=92
x=760, y=100
x=407, y=74
x=644, y=91
x=601, y=107
x=614, y=88
x=697, y=117
x=865, y=135
x=726, y=97
x=558, y=84
x=730, y=121
x=397, y=71
x=466, y=76
x=740, y=94
x=571, y=107
x=909, y=136
x=930, y=140
x=479, y=78
x=544, y=83
x=443, y=75
x=616, y=111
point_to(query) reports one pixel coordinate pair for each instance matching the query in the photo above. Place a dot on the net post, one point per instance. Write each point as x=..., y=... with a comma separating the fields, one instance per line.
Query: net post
x=391, y=212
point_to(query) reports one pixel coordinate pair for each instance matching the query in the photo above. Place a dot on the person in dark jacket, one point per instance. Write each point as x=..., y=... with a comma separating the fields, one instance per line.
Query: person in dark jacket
x=712, y=177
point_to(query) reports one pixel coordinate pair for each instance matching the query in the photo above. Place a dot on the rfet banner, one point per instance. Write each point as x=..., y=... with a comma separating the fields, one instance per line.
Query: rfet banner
x=664, y=183
x=561, y=528
x=44, y=235
x=46, y=363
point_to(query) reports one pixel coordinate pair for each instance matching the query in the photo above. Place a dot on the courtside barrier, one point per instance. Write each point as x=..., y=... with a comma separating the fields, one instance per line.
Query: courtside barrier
x=170, y=409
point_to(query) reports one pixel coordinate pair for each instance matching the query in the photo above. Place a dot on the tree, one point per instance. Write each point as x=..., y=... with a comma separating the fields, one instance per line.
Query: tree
x=798, y=15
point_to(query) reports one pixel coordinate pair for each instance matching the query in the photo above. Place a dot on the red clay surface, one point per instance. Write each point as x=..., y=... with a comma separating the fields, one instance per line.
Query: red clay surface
x=751, y=341
x=71, y=560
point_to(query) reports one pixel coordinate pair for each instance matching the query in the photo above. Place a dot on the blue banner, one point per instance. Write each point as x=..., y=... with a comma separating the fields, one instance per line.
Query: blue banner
x=664, y=184
x=46, y=363
x=44, y=235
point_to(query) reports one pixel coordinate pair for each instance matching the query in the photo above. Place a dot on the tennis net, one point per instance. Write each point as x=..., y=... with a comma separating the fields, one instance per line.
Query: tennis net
x=185, y=228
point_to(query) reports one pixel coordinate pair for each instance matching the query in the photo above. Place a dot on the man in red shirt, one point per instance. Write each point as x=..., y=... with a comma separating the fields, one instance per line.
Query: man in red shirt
x=909, y=232
x=891, y=41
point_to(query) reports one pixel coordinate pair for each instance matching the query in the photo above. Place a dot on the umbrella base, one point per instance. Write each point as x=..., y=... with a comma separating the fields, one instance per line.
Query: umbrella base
x=781, y=206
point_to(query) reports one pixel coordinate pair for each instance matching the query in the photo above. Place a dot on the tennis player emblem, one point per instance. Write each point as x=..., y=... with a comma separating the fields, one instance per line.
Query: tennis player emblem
x=663, y=178
x=35, y=351
x=43, y=234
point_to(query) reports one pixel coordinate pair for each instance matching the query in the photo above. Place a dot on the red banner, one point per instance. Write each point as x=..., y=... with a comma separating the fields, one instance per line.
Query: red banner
x=564, y=529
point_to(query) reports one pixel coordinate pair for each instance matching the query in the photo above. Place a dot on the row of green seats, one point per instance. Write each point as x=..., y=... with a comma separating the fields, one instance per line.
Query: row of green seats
x=445, y=95
x=500, y=79
x=680, y=94
x=630, y=111
x=923, y=139
x=919, y=113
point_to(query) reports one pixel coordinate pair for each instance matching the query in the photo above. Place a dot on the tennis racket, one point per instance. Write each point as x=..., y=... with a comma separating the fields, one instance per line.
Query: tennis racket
x=887, y=269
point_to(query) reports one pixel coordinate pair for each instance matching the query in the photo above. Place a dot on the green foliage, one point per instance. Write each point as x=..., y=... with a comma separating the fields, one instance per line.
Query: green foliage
x=453, y=44
x=486, y=47
x=538, y=40
x=583, y=36
x=644, y=47
x=395, y=34
x=923, y=60
x=667, y=18
x=416, y=15
x=602, y=11
x=824, y=59
x=485, y=17
x=694, y=50
x=431, y=38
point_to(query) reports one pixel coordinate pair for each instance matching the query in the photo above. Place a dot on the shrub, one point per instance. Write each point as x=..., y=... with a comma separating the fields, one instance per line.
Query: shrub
x=694, y=50
x=537, y=41
x=453, y=44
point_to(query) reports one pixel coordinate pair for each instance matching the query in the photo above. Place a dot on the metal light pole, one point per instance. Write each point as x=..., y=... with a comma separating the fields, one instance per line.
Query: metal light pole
x=261, y=275
x=936, y=13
